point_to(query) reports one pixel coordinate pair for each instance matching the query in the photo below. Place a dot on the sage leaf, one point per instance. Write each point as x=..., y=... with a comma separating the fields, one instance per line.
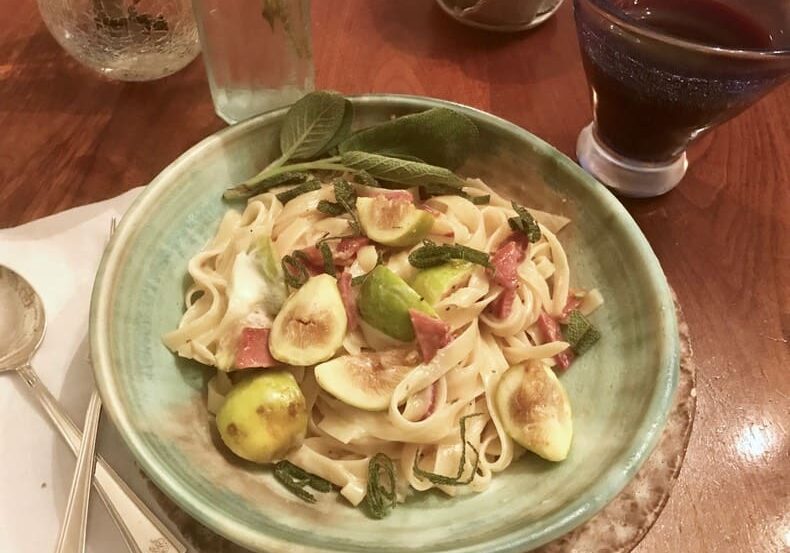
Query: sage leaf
x=296, y=191
x=457, y=480
x=524, y=223
x=431, y=254
x=380, y=497
x=580, y=333
x=345, y=126
x=311, y=125
x=438, y=136
x=400, y=171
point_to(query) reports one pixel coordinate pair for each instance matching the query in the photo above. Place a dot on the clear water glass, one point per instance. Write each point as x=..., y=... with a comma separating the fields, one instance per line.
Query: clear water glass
x=258, y=54
x=129, y=40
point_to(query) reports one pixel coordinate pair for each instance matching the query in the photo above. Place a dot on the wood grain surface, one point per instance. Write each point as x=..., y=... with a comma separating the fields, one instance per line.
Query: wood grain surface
x=69, y=137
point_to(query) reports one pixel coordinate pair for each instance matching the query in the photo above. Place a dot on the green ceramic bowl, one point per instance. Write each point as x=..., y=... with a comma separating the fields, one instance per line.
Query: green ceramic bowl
x=620, y=392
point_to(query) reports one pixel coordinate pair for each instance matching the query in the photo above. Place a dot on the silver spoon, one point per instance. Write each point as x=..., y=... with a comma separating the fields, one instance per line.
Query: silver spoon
x=22, y=324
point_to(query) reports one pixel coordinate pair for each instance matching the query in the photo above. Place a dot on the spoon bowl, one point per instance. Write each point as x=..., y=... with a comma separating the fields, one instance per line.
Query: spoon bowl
x=22, y=320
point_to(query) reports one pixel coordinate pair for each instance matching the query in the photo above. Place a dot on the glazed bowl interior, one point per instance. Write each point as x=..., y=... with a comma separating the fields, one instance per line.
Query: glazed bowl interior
x=620, y=391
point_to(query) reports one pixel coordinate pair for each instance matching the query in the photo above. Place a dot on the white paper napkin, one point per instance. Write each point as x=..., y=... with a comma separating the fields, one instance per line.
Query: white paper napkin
x=58, y=255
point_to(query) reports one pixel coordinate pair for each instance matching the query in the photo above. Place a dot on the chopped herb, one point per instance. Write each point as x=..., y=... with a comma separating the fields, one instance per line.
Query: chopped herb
x=330, y=208
x=438, y=189
x=296, y=480
x=344, y=192
x=524, y=223
x=346, y=199
x=380, y=499
x=432, y=254
x=295, y=269
x=441, y=479
x=579, y=332
x=326, y=255
x=363, y=177
x=288, y=195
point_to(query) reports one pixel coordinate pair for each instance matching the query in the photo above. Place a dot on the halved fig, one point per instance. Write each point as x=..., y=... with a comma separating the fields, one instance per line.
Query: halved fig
x=311, y=325
x=393, y=221
x=535, y=410
x=437, y=282
x=384, y=303
x=367, y=380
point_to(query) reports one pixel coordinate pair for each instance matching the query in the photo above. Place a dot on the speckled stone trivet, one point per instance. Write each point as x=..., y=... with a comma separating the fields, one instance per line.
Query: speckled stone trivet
x=618, y=528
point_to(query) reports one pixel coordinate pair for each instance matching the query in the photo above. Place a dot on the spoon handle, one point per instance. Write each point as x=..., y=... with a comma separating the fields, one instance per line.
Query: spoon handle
x=73, y=530
x=141, y=529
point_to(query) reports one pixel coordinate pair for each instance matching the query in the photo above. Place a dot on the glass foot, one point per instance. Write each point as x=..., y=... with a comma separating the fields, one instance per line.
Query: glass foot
x=624, y=176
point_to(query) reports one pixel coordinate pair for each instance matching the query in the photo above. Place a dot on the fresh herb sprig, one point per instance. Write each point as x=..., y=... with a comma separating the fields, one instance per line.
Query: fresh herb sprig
x=316, y=135
x=457, y=480
x=381, y=497
x=431, y=254
x=295, y=480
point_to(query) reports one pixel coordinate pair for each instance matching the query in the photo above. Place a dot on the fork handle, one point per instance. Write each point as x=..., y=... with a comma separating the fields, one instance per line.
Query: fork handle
x=141, y=529
x=73, y=530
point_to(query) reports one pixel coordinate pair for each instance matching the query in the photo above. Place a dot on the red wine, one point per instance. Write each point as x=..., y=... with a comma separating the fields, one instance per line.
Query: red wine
x=650, y=98
x=703, y=21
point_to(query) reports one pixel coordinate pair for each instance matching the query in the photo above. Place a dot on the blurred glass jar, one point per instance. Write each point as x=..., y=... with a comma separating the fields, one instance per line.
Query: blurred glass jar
x=258, y=54
x=501, y=15
x=129, y=40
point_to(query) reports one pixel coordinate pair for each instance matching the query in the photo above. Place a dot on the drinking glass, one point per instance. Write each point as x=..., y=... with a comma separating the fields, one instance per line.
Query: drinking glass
x=654, y=93
x=500, y=15
x=258, y=54
x=129, y=40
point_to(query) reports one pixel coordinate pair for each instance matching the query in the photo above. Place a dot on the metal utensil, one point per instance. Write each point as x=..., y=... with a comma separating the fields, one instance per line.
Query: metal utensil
x=22, y=324
x=73, y=531
x=74, y=528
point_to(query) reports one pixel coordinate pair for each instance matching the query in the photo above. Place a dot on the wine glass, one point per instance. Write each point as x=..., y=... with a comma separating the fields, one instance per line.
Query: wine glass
x=663, y=72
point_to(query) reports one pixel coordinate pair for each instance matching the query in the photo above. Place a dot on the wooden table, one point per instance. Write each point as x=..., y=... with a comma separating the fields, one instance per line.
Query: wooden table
x=68, y=137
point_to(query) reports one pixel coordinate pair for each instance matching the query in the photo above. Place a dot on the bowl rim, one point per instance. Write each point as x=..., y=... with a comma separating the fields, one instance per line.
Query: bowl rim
x=598, y=495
